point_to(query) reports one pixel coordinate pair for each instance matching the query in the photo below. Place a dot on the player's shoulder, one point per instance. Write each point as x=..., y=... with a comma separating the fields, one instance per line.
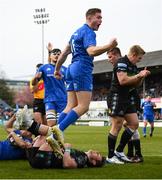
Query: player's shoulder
x=83, y=27
x=46, y=65
x=41, y=67
x=85, y=30
x=123, y=59
x=121, y=63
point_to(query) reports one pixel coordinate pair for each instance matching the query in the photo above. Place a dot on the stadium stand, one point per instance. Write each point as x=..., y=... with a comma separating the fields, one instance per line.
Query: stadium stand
x=150, y=59
x=152, y=85
x=5, y=111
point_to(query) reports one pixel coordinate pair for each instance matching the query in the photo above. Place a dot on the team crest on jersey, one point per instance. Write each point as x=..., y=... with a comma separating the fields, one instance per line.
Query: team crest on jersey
x=48, y=69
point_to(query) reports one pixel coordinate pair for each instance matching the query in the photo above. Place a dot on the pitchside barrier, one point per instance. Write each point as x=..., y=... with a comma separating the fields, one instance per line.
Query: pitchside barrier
x=97, y=115
x=106, y=122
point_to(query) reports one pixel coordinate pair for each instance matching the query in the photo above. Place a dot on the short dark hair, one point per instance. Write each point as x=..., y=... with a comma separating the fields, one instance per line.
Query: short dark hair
x=115, y=50
x=38, y=65
x=98, y=163
x=93, y=11
x=148, y=96
x=56, y=50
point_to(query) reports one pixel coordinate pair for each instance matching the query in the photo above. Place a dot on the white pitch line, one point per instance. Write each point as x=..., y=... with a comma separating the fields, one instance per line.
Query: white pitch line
x=153, y=155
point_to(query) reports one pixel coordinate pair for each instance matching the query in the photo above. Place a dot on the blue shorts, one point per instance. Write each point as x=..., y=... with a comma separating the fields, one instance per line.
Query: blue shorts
x=149, y=118
x=58, y=106
x=77, y=79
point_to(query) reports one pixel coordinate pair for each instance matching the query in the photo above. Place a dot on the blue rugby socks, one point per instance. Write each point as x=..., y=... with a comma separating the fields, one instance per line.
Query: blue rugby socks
x=144, y=131
x=70, y=118
x=61, y=117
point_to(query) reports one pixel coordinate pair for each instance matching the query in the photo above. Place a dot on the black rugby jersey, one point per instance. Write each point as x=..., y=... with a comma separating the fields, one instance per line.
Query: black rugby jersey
x=80, y=158
x=123, y=64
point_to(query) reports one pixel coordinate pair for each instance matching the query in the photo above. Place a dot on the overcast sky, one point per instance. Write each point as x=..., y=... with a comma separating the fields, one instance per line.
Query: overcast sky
x=130, y=21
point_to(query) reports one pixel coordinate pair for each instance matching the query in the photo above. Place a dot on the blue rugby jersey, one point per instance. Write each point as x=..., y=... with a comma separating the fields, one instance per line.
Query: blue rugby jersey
x=8, y=151
x=55, y=89
x=148, y=108
x=81, y=39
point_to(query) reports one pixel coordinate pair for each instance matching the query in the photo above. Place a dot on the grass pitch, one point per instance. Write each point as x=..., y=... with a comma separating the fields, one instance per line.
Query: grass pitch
x=84, y=138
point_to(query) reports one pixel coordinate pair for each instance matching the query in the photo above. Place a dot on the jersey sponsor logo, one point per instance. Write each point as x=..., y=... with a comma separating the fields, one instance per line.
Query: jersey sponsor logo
x=121, y=65
x=49, y=75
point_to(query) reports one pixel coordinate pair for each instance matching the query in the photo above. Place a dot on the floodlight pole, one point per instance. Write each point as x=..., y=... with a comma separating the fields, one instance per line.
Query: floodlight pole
x=42, y=43
x=41, y=17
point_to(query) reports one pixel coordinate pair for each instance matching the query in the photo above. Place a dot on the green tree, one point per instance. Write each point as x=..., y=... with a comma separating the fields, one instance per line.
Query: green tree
x=5, y=93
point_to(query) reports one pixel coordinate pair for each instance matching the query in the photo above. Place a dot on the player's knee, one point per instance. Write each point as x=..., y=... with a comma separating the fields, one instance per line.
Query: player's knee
x=81, y=109
x=136, y=135
x=51, y=118
x=134, y=125
x=50, y=115
x=118, y=127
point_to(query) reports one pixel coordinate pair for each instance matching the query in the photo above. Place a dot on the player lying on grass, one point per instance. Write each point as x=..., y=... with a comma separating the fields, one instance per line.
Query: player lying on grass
x=51, y=153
